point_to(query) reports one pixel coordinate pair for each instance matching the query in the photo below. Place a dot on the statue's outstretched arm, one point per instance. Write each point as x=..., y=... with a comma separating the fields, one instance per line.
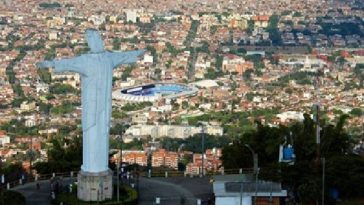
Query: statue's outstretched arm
x=76, y=64
x=126, y=57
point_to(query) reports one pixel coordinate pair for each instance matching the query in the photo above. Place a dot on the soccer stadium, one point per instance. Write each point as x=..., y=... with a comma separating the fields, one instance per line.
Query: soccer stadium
x=153, y=92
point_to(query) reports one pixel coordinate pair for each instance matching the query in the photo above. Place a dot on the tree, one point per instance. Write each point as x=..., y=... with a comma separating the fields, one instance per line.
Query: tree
x=44, y=75
x=153, y=52
x=11, y=198
x=171, y=49
x=116, y=44
x=127, y=72
x=356, y=112
x=272, y=28
x=343, y=170
x=185, y=105
x=359, y=73
x=59, y=88
x=218, y=62
x=61, y=158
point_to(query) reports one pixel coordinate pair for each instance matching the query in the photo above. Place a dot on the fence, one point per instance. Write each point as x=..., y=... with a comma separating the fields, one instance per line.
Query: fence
x=32, y=178
x=175, y=173
x=152, y=173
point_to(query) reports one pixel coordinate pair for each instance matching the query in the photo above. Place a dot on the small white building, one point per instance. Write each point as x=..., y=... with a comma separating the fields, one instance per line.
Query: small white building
x=173, y=131
x=53, y=35
x=25, y=106
x=290, y=115
x=131, y=15
x=231, y=189
x=42, y=88
x=148, y=59
x=4, y=139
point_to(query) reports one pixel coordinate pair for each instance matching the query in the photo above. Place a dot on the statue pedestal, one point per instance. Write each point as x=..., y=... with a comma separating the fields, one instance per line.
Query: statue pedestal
x=94, y=186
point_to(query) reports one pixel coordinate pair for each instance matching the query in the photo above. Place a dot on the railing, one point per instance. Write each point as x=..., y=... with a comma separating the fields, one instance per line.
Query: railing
x=37, y=177
x=153, y=173
x=174, y=173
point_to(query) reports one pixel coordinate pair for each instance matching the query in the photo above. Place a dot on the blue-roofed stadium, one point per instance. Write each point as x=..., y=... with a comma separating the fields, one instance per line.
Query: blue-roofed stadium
x=153, y=92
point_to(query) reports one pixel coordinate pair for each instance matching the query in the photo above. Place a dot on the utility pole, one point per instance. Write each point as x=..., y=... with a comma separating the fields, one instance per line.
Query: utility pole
x=318, y=129
x=241, y=192
x=203, y=149
x=255, y=170
x=119, y=161
x=323, y=181
x=117, y=176
x=202, y=127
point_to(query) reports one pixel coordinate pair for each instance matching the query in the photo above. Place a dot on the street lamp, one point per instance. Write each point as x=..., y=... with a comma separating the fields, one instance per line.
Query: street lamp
x=117, y=176
x=119, y=161
x=202, y=125
x=255, y=158
x=255, y=169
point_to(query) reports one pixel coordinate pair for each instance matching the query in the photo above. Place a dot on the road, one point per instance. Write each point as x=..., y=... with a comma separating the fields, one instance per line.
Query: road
x=176, y=190
x=34, y=196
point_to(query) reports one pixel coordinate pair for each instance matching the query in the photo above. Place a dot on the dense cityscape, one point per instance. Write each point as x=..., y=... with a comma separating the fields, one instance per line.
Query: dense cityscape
x=219, y=83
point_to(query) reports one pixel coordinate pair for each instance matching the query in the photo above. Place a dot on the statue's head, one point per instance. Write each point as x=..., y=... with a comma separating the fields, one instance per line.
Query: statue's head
x=94, y=41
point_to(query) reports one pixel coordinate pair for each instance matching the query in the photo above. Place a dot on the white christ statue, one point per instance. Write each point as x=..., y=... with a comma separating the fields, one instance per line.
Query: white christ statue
x=95, y=69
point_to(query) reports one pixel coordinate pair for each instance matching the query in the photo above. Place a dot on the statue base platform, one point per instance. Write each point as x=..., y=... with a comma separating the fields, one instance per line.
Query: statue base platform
x=94, y=186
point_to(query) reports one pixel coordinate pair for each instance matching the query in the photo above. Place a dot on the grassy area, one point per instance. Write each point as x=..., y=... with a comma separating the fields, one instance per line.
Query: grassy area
x=128, y=196
x=12, y=198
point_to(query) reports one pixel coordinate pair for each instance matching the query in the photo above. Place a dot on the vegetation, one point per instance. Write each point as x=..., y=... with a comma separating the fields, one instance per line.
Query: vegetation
x=128, y=196
x=192, y=33
x=127, y=72
x=344, y=28
x=343, y=170
x=116, y=114
x=250, y=28
x=62, y=158
x=50, y=5
x=303, y=78
x=51, y=53
x=359, y=73
x=116, y=44
x=59, y=88
x=12, y=171
x=234, y=122
x=193, y=143
x=153, y=51
x=64, y=108
x=357, y=112
x=218, y=62
x=11, y=198
x=136, y=106
x=11, y=74
x=273, y=30
x=258, y=62
x=171, y=49
x=17, y=127
x=44, y=75
x=213, y=74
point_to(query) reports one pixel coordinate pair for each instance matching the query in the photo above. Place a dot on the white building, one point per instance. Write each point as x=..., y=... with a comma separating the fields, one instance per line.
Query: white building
x=42, y=88
x=131, y=15
x=173, y=131
x=53, y=36
x=148, y=59
x=231, y=189
x=4, y=139
x=25, y=106
x=97, y=20
x=290, y=115
x=30, y=123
